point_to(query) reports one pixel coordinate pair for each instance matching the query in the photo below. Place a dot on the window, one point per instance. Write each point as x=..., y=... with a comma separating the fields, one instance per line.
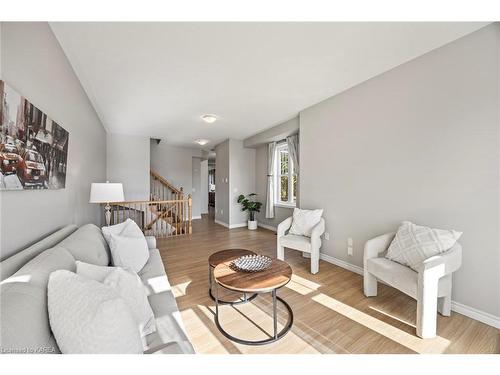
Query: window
x=286, y=178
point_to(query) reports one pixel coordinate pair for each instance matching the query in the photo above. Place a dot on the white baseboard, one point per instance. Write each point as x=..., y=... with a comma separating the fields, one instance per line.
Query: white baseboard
x=232, y=226
x=476, y=314
x=265, y=226
x=341, y=263
x=221, y=223
x=460, y=308
x=240, y=225
x=196, y=217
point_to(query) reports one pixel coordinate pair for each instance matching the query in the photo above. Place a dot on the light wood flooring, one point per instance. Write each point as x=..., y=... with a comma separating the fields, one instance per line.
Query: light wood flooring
x=331, y=314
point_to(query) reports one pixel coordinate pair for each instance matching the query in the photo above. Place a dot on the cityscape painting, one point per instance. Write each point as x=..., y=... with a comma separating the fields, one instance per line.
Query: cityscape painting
x=33, y=147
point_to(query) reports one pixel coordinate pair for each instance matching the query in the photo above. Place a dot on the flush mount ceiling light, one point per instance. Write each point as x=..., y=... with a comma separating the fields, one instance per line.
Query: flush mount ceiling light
x=202, y=142
x=209, y=119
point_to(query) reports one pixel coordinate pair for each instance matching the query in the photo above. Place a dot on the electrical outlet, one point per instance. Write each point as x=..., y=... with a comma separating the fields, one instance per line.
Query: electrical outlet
x=349, y=246
x=349, y=251
x=327, y=236
x=221, y=211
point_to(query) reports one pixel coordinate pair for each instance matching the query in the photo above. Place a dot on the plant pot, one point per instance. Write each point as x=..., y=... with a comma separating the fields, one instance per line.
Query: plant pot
x=252, y=224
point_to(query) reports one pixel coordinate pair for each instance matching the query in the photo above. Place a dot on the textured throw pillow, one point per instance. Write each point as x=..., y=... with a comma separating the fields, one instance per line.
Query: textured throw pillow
x=414, y=243
x=304, y=221
x=129, y=286
x=88, y=317
x=129, y=252
x=127, y=228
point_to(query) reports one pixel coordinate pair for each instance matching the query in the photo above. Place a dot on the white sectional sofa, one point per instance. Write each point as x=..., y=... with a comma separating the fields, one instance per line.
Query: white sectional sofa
x=24, y=321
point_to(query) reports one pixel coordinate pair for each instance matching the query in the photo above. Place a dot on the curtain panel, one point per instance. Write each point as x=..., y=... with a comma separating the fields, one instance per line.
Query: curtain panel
x=271, y=156
x=293, y=150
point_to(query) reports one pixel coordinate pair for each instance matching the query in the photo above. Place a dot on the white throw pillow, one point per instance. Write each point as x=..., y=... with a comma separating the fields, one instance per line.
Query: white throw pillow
x=414, y=243
x=127, y=228
x=304, y=221
x=88, y=317
x=129, y=286
x=129, y=252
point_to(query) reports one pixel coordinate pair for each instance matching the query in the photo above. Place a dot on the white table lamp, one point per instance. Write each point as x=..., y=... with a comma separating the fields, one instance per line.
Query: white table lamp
x=106, y=192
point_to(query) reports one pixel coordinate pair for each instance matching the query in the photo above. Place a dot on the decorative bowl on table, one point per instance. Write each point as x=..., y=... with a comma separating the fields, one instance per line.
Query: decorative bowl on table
x=251, y=263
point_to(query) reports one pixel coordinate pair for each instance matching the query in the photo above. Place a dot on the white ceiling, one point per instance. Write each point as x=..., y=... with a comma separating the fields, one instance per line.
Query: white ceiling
x=157, y=79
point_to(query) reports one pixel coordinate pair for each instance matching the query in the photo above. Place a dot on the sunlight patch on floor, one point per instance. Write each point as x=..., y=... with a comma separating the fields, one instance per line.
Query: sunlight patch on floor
x=436, y=345
x=179, y=290
x=302, y=286
x=235, y=321
x=203, y=334
x=393, y=317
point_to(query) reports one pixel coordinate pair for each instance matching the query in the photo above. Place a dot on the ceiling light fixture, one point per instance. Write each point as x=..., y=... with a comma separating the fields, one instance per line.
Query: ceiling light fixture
x=202, y=142
x=209, y=119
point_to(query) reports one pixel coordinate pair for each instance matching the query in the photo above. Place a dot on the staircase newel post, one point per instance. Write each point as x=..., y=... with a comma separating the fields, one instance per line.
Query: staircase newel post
x=190, y=212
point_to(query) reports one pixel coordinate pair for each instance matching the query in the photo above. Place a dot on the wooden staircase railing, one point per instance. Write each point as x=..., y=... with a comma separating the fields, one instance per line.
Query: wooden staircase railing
x=156, y=218
x=161, y=189
x=168, y=212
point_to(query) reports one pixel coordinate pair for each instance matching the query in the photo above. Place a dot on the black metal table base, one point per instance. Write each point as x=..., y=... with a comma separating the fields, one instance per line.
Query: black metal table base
x=276, y=336
x=232, y=303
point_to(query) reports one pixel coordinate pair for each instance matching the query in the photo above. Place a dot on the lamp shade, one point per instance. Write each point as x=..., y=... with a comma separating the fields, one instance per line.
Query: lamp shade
x=105, y=192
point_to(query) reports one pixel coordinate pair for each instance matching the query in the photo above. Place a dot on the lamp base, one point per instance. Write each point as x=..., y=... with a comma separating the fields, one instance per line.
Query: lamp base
x=107, y=214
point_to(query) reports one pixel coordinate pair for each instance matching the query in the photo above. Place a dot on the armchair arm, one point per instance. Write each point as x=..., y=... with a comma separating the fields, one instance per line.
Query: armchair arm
x=442, y=264
x=284, y=226
x=316, y=233
x=151, y=240
x=318, y=229
x=376, y=246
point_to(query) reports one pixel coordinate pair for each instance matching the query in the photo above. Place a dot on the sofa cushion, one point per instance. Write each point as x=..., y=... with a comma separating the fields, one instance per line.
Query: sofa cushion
x=88, y=245
x=24, y=321
x=169, y=325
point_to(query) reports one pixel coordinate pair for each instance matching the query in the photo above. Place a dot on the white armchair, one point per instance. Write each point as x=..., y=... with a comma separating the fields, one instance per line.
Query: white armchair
x=309, y=245
x=430, y=286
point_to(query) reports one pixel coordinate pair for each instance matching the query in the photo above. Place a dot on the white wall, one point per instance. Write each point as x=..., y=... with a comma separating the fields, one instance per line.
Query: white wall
x=34, y=64
x=196, y=188
x=241, y=179
x=235, y=175
x=128, y=162
x=204, y=187
x=419, y=143
x=222, y=182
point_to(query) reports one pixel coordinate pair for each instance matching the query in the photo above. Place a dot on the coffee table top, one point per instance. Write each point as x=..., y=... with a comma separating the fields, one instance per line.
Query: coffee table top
x=227, y=255
x=275, y=276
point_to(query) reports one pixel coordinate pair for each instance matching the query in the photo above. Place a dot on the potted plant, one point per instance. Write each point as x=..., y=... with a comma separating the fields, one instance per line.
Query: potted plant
x=247, y=204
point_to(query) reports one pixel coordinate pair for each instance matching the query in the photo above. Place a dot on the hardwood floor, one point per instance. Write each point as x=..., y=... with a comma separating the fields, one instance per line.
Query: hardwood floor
x=331, y=314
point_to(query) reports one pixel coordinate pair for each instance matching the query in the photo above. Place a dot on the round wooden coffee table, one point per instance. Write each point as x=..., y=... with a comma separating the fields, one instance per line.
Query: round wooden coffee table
x=226, y=256
x=277, y=275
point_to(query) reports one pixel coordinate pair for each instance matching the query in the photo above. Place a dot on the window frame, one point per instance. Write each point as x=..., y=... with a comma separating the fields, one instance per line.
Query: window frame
x=280, y=147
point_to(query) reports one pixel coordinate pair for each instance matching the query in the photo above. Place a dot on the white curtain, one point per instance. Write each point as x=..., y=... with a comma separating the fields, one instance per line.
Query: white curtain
x=271, y=156
x=293, y=150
